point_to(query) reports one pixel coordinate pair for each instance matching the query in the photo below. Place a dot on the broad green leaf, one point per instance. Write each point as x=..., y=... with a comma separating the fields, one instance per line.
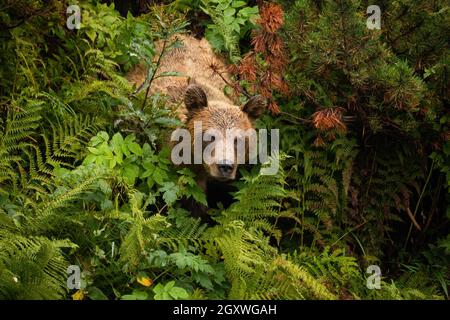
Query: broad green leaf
x=117, y=139
x=94, y=150
x=125, y=150
x=89, y=159
x=135, y=148
x=112, y=163
x=178, y=293
x=229, y=12
x=91, y=34
x=136, y=295
x=237, y=4
x=248, y=11
x=104, y=135
x=95, y=140
x=198, y=195
x=95, y=293
x=131, y=172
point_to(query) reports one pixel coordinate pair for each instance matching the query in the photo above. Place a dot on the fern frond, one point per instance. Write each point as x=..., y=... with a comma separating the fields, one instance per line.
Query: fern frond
x=32, y=267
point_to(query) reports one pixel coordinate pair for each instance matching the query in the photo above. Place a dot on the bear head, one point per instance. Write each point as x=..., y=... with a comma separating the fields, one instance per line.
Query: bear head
x=221, y=130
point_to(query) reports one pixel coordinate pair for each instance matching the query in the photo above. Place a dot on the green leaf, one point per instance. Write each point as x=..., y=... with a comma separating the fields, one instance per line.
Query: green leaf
x=95, y=140
x=229, y=12
x=169, y=292
x=95, y=293
x=136, y=295
x=106, y=204
x=117, y=139
x=198, y=194
x=204, y=280
x=112, y=163
x=119, y=156
x=160, y=293
x=131, y=172
x=91, y=34
x=228, y=20
x=169, y=285
x=237, y=4
x=158, y=289
x=146, y=149
x=128, y=139
x=94, y=151
x=216, y=40
x=248, y=11
x=169, y=74
x=147, y=173
x=178, y=293
x=446, y=148
x=168, y=122
x=104, y=135
x=125, y=150
x=159, y=176
x=135, y=148
x=170, y=194
x=89, y=159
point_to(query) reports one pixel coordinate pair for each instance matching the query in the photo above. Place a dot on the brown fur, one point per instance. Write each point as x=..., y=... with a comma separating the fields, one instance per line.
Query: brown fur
x=202, y=91
x=192, y=61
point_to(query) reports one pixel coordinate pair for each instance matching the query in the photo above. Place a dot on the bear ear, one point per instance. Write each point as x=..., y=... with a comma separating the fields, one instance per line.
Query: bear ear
x=255, y=106
x=195, y=98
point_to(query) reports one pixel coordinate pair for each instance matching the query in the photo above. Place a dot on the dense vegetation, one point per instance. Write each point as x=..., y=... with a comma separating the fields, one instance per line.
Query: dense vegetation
x=86, y=179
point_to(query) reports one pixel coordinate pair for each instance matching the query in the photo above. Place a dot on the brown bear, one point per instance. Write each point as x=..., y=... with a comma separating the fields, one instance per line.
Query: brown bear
x=205, y=102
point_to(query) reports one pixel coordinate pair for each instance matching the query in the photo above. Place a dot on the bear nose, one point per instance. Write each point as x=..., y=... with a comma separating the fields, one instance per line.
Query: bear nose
x=225, y=168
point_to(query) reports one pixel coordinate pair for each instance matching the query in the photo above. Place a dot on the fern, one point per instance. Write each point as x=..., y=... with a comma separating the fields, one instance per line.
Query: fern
x=31, y=267
x=385, y=197
x=258, y=202
x=231, y=20
x=143, y=234
x=255, y=269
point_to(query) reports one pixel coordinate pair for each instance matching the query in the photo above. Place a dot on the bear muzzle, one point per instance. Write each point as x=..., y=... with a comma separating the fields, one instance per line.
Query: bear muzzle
x=224, y=170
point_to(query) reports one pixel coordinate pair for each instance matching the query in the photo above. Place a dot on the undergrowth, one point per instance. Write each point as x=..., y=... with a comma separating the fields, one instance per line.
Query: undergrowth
x=86, y=179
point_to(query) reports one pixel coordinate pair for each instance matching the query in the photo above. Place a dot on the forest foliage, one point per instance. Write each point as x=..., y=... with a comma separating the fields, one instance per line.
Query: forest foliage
x=86, y=177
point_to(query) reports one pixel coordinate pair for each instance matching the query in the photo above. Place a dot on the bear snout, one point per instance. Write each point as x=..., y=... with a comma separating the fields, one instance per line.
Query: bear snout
x=223, y=171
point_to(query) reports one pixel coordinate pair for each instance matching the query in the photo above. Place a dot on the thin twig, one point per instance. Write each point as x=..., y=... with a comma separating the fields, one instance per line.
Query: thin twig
x=418, y=203
x=295, y=117
x=158, y=62
x=413, y=219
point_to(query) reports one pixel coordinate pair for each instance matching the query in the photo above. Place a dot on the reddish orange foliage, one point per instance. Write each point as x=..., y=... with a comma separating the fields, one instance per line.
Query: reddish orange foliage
x=272, y=17
x=329, y=119
x=265, y=74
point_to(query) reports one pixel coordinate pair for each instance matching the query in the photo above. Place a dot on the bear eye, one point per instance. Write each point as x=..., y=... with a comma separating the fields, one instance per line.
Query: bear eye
x=209, y=139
